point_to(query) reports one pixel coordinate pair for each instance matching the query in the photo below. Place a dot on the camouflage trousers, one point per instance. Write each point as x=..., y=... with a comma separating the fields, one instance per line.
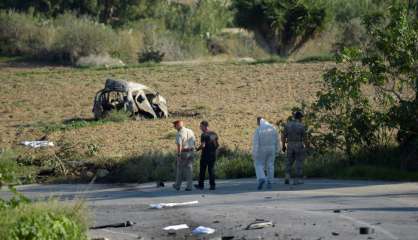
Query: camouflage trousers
x=185, y=169
x=295, y=154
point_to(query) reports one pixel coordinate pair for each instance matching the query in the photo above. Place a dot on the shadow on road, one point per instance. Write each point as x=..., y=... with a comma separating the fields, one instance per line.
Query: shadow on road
x=97, y=192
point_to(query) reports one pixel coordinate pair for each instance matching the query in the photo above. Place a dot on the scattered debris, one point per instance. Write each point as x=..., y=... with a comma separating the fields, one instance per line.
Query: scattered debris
x=203, y=230
x=366, y=230
x=335, y=234
x=227, y=237
x=37, y=144
x=169, y=205
x=176, y=227
x=258, y=224
x=116, y=225
x=216, y=221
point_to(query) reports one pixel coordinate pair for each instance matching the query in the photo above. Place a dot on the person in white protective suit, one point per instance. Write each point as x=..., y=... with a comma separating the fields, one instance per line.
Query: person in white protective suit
x=266, y=145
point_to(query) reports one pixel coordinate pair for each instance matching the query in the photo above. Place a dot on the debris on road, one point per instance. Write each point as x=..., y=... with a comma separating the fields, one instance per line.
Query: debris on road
x=366, y=230
x=203, y=230
x=227, y=237
x=116, y=225
x=335, y=234
x=337, y=211
x=176, y=227
x=258, y=224
x=37, y=144
x=169, y=205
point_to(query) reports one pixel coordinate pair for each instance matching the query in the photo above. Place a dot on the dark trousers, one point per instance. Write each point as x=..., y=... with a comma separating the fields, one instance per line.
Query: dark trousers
x=207, y=161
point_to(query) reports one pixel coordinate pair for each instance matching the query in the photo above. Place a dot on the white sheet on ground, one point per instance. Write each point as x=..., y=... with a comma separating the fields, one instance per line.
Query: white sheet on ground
x=168, y=205
x=176, y=227
x=37, y=144
x=203, y=230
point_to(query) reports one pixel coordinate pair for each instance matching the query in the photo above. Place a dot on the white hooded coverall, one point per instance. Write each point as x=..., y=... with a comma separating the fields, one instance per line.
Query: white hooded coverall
x=266, y=145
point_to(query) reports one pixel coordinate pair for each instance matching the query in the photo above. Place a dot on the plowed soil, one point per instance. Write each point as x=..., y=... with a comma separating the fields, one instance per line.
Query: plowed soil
x=229, y=95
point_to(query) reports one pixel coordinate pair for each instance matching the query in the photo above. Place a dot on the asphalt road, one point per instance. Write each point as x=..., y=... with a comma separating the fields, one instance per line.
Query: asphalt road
x=319, y=209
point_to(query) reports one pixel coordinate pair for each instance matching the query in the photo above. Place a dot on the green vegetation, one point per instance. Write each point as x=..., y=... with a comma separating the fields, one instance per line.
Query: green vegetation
x=49, y=220
x=370, y=100
x=23, y=219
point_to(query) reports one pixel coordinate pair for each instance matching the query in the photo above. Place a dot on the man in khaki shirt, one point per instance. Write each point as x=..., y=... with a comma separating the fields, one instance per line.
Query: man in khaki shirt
x=185, y=141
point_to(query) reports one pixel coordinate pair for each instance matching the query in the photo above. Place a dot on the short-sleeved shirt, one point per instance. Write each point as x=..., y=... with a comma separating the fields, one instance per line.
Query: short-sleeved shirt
x=185, y=138
x=294, y=131
x=211, y=142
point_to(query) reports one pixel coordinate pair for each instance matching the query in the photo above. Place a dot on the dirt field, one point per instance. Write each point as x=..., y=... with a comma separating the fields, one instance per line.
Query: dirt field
x=229, y=95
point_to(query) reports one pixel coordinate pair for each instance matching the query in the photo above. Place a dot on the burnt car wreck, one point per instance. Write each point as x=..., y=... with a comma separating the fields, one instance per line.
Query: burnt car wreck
x=140, y=100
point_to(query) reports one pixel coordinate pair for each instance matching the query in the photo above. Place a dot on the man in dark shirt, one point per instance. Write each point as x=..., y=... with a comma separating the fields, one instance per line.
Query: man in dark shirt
x=208, y=145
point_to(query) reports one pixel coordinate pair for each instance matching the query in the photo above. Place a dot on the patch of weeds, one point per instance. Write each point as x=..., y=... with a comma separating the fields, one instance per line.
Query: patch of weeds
x=92, y=149
x=113, y=116
x=234, y=164
x=335, y=165
x=14, y=172
x=117, y=116
x=150, y=166
x=68, y=125
x=49, y=220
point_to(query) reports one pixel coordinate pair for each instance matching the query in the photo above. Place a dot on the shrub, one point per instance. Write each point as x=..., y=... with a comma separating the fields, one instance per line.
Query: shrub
x=38, y=221
x=151, y=166
x=234, y=164
x=150, y=55
x=80, y=37
x=24, y=34
x=127, y=45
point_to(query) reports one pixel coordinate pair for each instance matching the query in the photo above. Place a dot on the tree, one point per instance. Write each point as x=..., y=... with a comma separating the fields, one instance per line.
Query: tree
x=286, y=25
x=374, y=88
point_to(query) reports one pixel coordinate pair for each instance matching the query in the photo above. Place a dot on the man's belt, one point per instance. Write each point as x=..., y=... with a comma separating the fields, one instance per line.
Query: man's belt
x=187, y=150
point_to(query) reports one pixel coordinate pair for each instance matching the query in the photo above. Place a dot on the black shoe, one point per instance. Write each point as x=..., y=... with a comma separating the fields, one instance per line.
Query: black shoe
x=188, y=189
x=197, y=186
x=260, y=184
x=212, y=188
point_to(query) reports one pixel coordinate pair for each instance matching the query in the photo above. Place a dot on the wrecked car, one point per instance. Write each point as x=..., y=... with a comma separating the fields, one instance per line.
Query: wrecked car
x=140, y=100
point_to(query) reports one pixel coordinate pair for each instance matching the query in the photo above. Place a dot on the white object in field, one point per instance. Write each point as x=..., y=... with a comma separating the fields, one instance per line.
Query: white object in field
x=37, y=144
x=203, y=230
x=176, y=227
x=168, y=205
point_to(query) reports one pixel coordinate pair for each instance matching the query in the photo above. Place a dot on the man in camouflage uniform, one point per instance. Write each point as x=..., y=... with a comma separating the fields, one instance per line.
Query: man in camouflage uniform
x=293, y=138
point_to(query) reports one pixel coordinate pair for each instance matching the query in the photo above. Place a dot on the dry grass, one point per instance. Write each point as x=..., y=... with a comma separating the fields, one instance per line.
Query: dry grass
x=229, y=95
